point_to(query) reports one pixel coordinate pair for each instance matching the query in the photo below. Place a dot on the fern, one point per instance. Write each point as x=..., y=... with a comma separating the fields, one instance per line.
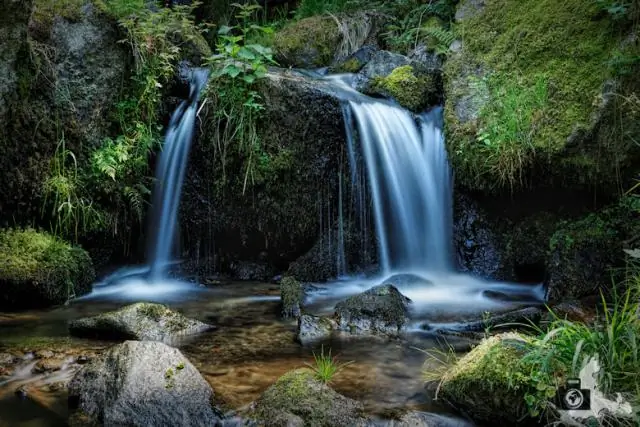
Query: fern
x=443, y=38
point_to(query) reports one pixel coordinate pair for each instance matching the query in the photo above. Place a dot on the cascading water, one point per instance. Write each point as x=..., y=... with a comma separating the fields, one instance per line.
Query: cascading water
x=170, y=177
x=150, y=281
x=411, y=185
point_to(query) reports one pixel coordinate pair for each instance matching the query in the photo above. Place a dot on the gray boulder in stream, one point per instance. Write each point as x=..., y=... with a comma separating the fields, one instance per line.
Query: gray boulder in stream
x=141, y=321
x=380, y=309
x=141, y=383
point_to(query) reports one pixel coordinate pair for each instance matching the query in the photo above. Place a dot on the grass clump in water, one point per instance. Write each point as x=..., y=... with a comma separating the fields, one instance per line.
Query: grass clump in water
x=325, y=366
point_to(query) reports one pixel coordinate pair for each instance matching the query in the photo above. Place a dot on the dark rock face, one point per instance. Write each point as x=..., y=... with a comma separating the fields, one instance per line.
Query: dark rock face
x=381, y=309
x=141, y=321
x=246, y=270
x=298, y=399
x=275, y=220
x=142, y=383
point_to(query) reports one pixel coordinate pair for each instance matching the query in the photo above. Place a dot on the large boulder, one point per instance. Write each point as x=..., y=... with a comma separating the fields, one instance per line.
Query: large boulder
x=71, y=67
x=299, y=399
x=552, y=121
x=487, y=383
x=141, y=321
x=141, y=383
x=312, y=329
x=39, y=269
x=381, y=309
x=276, y=218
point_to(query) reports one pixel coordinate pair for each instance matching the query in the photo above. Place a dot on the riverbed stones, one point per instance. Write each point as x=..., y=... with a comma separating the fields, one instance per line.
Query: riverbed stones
x=299, y=399
x=141, y=321
x=381, y=309
x=142, y=383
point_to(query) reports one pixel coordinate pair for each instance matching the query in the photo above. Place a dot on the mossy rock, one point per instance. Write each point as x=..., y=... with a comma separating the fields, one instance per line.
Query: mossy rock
x=488, y=384
x=291, y=296
x=308, y=43
x=586, y=255
x=299, y=397
x=410, y=89
x=41, y=270
x=530, y=97
x=141, y=321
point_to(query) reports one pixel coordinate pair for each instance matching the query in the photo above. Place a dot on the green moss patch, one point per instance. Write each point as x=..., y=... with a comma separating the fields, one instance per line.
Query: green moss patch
x=536, y=75
x=291, y=295
x=490, y=382
x=39, y=269
x=45, y=11
x=410, y=89
x=310, y=42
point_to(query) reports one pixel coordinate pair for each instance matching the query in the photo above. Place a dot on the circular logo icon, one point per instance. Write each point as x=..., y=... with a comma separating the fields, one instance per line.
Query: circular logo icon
x=573, y=398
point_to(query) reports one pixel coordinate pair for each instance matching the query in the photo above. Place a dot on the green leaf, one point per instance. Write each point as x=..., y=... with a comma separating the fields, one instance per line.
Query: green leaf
x=245, y=53
x=249, y=78
x=225, y=29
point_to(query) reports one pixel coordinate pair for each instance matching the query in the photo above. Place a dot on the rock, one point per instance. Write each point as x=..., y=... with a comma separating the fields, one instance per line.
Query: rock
x=570, y=104
x=142, y=383
x=298, y=399
x=22, y=392
x=314, y=328
x=13, y=39
x=573, y=311
x=7, y=359
x=481, y=383
x=410, y=82
x=246, y=270
x=426, y=57
x=44, y=354
x=40, y=270
x=291, y=297
x=426, y=419
x=524, y=316
x=322, y=261
x=381, y=309
x=300, y=177
x=48, y=365
x=478, y=246
x=141, y=321
x=307, y=43
x=356, y=61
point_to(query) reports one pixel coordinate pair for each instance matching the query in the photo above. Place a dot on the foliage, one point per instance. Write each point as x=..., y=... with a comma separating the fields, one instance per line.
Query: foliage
x=71, y=208
x=237, y=67
x=325, y=366
x=543, y=69
x=121, y=9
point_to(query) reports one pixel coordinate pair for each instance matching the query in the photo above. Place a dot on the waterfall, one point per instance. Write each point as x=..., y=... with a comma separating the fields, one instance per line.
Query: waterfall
x=170, y=176
x=410, y=182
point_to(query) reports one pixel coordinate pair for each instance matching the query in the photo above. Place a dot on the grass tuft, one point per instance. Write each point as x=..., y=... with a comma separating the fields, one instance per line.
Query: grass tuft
x=326, y=367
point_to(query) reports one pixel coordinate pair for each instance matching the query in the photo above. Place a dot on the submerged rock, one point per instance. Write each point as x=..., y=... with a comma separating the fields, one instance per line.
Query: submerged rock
x=314, y=328
x=39, y=269
x=291, y=297
x=141, y=383
x=425, y=419
x=141, y=321
x=299, y=399
x=381, y=309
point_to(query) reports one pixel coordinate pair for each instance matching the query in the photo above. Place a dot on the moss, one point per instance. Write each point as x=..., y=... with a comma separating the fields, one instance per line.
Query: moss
x=291, y=295
x=351, y=65
x=310, y=42
x=595, y=240
x=410, y=90
x=41, y=269
x=542, y=70
x=299, y=394
x=489, y=380
x=119, y=9
x=154, y=311
x=45, y=11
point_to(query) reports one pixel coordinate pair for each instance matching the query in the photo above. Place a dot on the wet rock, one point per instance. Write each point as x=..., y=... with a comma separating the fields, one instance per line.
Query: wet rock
x=291, y=297
x=140, y=321
x=477, y=244
x=247, y=270
x=48, y=365
x=299, y=399
x=425, y=419
x=7, y=359
x=573, y=311
x=356, y=61
x=44, y=354
x=142, y=383
x=314, y=328
x=381, y=309
x=22, y=392
x=307, y=43
x=82, y=359
x=525, y=316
